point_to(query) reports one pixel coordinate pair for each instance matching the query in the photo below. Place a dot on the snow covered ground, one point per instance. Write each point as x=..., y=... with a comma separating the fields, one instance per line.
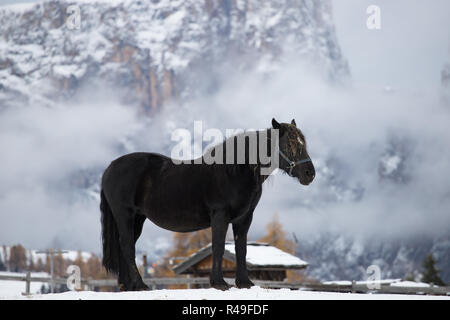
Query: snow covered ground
x=13, y=288
x=255, y=293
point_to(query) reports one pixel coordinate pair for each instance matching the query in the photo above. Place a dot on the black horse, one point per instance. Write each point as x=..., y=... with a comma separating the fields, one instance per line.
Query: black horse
x=188, y=197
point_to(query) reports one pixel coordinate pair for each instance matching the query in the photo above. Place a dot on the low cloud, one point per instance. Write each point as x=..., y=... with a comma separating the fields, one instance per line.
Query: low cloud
x=349, y=129
x=44, y=150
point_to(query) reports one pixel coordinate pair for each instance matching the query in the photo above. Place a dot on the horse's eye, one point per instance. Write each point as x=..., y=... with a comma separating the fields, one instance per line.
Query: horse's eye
x=300, y=140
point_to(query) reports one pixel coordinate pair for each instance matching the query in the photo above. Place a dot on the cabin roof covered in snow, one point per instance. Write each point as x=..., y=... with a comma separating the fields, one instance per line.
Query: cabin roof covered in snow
x=260, y=256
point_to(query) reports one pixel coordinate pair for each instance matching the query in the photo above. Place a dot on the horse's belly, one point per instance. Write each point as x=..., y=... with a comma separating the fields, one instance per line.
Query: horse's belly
x=177, y=203
x=179, y=220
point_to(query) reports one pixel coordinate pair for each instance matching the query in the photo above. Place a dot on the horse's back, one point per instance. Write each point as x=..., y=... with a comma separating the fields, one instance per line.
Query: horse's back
x=121, y=180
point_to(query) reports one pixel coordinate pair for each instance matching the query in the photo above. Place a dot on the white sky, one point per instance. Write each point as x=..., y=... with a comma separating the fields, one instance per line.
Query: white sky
x=408, y=51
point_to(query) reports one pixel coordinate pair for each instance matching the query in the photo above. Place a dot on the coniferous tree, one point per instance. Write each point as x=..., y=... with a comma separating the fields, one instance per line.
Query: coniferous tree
x=277, y=237
x=430, y=273
x=59, y=265
x=94, y=267
x=198, y=240
x=40, y=267
x=47, y=263
x=79, y=261
x=17, y=258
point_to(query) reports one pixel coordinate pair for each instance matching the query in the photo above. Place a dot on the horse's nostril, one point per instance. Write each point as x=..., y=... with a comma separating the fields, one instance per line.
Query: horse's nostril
x=310, y=174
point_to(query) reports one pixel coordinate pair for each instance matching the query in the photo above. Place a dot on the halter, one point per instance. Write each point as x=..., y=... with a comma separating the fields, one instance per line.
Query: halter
x=292, y=164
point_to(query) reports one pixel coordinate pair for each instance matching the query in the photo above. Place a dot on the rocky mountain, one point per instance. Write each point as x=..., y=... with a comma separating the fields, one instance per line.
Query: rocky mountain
x=156, y=51
x=336, y=256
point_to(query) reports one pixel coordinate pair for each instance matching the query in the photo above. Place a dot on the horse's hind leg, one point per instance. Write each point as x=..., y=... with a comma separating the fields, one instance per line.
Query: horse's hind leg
x=138, y=225
x=130, y=227
x=125, y=282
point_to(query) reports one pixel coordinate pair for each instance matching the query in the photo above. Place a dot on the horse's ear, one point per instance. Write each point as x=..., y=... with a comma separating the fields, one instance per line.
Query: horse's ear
x=275, y=124
x=293, y=122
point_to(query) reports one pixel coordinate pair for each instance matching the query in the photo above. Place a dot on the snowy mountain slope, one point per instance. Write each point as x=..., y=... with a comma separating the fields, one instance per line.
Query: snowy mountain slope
x=149, y=48
x=334, y=256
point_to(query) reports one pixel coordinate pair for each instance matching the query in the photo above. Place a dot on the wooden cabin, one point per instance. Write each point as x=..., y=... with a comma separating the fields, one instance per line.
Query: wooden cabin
x=264, y=262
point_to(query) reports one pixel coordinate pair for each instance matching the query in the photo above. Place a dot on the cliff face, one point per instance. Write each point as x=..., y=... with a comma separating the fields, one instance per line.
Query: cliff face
x=151, y=49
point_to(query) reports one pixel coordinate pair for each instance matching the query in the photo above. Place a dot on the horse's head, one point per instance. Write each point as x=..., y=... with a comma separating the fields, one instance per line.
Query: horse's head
x=294, y=158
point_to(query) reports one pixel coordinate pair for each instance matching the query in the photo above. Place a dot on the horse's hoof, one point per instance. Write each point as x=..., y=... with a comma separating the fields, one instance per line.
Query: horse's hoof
x=142, y=287
x=122, y=287
x=222, y=285
x=246, y=284
x=138, y=287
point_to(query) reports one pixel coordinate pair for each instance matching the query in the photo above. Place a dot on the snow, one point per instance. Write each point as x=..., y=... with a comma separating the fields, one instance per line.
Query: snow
x=391, y=163
x=383, y=282
x=67, y=70
x=11, y=288
x=17, y=7
x=73, y=255
x=255, y=293
x=175, y=19
x=267, y=255
x=410, y=284
x=391, y=282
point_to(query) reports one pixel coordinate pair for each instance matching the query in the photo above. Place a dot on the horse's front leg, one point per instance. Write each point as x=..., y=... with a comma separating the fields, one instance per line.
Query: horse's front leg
x=240, y=231
x=219, y=226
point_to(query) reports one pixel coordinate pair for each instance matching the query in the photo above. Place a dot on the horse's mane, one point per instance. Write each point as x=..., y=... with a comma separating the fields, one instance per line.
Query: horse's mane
x=235, y=141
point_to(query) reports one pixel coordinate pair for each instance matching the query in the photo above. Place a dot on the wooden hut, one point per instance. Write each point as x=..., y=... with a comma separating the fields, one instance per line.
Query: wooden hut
x=264, y=262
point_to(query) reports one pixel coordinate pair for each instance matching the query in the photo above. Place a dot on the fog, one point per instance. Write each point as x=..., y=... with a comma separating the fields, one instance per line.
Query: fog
x=43, y=151
x=348, y=128
x=409, y=49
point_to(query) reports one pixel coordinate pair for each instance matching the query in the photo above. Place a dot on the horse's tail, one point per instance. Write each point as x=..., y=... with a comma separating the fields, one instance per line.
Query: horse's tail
x=110, y=237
